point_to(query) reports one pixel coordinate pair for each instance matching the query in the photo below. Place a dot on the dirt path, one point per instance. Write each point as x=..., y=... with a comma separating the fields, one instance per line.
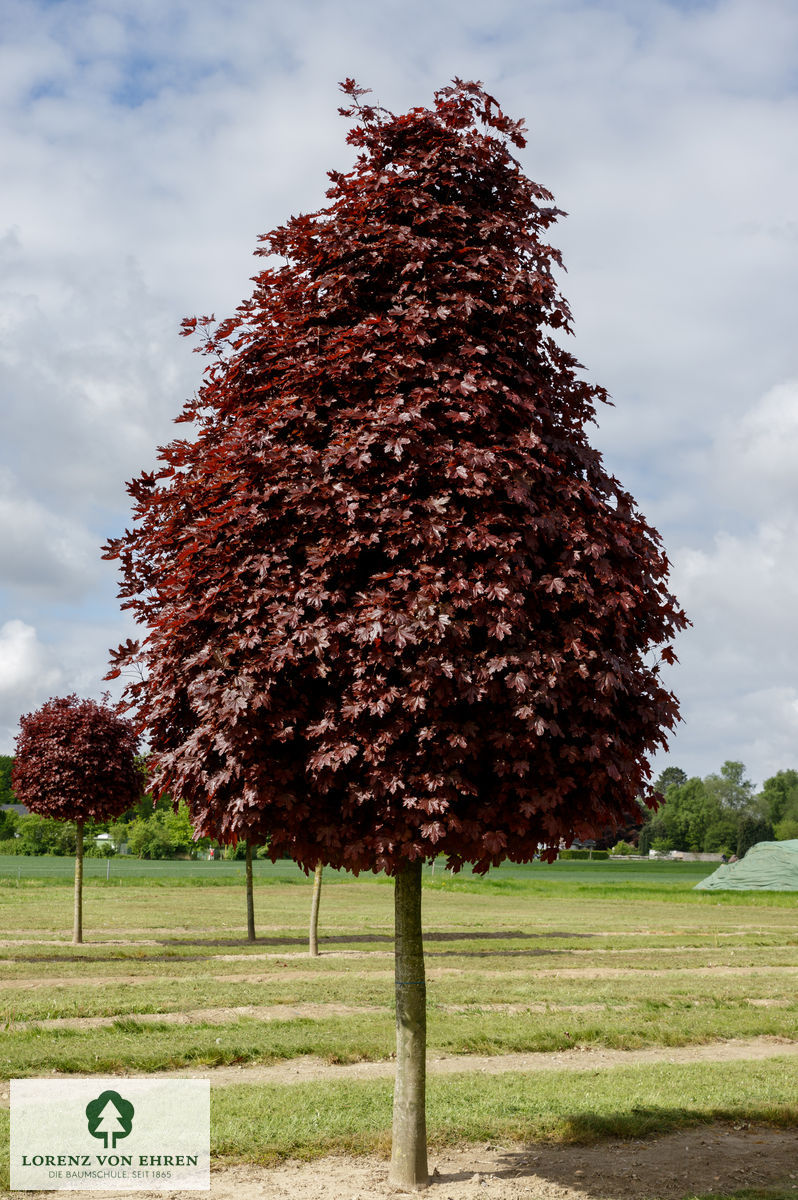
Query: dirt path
x=185, y=934
x=307, y=1011
x=314, y=1012
x=215, y=1016
x=32, y=983
x=300, y=1070
x=707, y=1159
x=312, y=1069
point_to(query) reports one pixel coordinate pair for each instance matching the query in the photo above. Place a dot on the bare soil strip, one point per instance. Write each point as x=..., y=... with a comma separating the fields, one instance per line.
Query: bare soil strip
x=712, y=1158
x=290, y=1012
x=182, y=935
x=300, y=1070
x=309, y=1068
x=214, y=1016
x=48, y=981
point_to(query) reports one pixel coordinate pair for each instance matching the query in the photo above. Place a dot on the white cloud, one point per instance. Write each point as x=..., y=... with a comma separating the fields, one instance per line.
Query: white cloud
x=743, y=575
x=29, y=674
x=24, y=661
x=738, y=672
x=756, y=458
x=42, y=551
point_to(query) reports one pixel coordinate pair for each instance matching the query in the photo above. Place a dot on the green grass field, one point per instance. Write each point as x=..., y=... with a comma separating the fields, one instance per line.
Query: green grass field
x=602, y=955
x=606, y=872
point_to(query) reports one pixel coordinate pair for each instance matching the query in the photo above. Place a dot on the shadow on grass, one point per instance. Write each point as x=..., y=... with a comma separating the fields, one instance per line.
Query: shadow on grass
x=703, y=1161
x=132, y=955
x=532, y=952
x=344, y=939
x=89, y=958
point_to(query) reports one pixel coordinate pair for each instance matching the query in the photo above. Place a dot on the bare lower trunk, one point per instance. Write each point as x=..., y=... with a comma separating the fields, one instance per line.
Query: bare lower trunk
x=250, y=897
x=77, y=927
x=313, y=939
x=409, y=1152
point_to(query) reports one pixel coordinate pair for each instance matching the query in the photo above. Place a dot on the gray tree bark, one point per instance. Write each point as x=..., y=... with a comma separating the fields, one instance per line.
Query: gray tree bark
x=313, y=938
x=250, y=896
x=409, y=1151
x=77, y=926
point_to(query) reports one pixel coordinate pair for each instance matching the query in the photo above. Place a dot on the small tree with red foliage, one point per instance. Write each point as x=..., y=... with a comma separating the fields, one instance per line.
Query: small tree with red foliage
x=76, y=760
x=395, y=605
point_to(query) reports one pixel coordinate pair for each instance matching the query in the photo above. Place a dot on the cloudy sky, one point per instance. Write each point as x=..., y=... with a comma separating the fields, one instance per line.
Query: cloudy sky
x=144, y=144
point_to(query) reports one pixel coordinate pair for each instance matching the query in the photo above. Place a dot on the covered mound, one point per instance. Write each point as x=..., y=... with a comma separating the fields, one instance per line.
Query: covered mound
x=768, y=866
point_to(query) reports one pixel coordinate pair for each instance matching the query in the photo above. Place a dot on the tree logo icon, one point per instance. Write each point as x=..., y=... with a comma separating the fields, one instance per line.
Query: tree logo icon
x=110, y=1117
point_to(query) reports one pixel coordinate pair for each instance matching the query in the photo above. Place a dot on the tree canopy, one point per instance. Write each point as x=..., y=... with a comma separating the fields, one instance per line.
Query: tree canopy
x=75, y=760
x=394, y=604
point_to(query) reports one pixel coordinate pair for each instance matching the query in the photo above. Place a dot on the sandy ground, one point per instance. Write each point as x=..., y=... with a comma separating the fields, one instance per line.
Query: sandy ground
x=288, y=1012
x=308, y=1069
x=709, y=1159
x=301, y=1070
x=217, y=1015
x=47, y=982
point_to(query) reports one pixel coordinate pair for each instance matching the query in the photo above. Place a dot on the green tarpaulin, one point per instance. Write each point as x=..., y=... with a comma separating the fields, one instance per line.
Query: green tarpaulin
x=768, y=866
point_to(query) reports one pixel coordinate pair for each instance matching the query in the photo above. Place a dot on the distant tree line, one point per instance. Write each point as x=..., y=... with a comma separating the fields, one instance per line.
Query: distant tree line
x=721, y=813
x=146, y=830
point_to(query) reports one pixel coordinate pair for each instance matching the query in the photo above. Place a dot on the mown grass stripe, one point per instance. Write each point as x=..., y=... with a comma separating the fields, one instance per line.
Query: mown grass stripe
x=268, y=1122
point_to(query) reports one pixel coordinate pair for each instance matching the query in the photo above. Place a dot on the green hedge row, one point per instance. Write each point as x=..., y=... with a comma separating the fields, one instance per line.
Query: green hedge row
x=584, y=854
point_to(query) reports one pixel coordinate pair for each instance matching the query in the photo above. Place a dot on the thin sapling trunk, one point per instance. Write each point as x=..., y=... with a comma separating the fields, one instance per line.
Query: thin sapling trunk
x=409, y=1151
x=77, y=927
x=250, y=896
x=313, y=940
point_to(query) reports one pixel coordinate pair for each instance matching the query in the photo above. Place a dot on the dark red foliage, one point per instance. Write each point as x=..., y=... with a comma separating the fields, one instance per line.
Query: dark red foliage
x=394, y=604
x=75, y=760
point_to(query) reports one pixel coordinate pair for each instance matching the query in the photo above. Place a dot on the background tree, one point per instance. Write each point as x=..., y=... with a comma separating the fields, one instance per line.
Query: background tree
x=780, y=796
x=6, y=793
x=75, y=760
x=45, y=835
x=670, y=777
x=652, y=821
x=730, y=788
x=9, y=822
x=161, y=835
x=394, y=604
x=786, y=829
x=752, y=829
x=717, y=813
x=687, y=814
x=645, y=839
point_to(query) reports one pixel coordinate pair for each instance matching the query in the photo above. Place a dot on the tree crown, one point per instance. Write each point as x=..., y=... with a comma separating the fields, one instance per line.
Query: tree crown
x=75, y=760
x=395, y=605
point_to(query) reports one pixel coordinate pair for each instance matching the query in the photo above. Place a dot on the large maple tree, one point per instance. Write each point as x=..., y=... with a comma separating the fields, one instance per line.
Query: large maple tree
x=76, y=761
x=395, y=605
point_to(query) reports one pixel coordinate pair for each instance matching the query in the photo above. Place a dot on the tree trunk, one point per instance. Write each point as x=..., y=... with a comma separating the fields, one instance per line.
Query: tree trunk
x=250, y=897
x=409, y=1151
x=77, y=928
x=313, y=940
